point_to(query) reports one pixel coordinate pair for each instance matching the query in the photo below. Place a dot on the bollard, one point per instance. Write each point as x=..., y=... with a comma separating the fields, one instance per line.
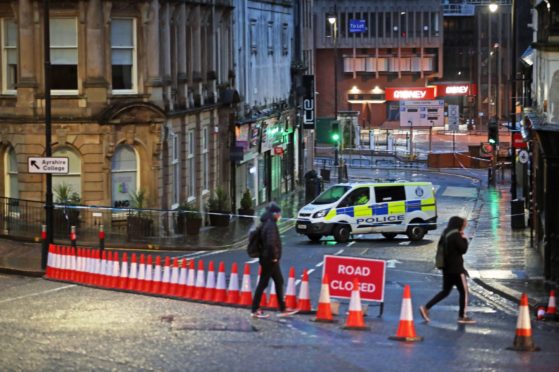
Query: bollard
x=73, y=236
x=101, y=238
x=44, y=243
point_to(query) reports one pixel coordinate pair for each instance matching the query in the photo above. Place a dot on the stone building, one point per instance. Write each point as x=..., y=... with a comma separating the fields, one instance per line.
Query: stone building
x=140, y=98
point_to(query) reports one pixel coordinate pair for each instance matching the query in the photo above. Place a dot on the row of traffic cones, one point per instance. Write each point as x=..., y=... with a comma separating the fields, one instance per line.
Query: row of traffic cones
x=172, y=278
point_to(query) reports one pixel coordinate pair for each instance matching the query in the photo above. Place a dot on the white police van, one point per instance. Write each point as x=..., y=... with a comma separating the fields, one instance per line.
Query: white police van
x=362, y=208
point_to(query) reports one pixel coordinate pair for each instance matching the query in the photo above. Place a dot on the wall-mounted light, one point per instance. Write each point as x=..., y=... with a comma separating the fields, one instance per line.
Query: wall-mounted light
x=493, y=7
x=354, y=89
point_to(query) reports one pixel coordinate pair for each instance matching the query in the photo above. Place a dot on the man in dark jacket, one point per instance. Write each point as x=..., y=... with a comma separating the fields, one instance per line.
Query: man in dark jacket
x=454, y=273
x=269, y=258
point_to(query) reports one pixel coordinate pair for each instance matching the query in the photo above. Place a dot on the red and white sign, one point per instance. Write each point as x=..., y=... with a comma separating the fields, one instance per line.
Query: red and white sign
x=278, y=150
x=342, y=270
x=518, y=141
x=404, y=94
x=456, y=90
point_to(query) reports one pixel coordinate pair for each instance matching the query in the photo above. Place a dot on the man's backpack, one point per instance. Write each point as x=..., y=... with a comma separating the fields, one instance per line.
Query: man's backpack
x=441, y=246
x=254, y=246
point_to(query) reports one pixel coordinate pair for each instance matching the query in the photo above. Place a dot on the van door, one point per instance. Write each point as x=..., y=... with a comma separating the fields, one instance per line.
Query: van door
x=356, y=205
x=390, y=206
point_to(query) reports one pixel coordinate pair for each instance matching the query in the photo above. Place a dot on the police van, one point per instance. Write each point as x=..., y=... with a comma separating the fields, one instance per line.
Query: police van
x=359, y=208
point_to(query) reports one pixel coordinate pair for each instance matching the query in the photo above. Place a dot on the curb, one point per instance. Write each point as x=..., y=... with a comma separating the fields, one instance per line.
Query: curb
x=506, y=292
x=29, y=273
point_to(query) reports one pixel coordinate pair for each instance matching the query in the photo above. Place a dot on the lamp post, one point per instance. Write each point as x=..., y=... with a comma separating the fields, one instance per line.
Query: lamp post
x=493, y=7
x=513, y=103
x=332, y=19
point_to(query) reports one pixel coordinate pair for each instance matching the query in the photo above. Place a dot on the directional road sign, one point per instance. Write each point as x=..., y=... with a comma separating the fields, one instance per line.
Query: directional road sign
x=48, y=165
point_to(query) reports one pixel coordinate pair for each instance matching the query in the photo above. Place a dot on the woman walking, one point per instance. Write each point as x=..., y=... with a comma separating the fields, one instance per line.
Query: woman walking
x=454, y=273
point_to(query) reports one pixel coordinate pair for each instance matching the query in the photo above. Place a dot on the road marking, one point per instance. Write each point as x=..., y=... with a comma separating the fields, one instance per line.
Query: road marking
x=339, y=252
x=351, y=243
x=407, y=242
x=460, y=192
x=37, y=294
x=320, y=264
x=199, y=254
x=254, y=260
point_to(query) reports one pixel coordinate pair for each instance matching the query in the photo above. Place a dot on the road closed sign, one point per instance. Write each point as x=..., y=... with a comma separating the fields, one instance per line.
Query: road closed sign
x=342, y=270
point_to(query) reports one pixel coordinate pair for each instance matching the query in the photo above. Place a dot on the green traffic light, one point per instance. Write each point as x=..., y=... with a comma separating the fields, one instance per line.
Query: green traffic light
x=335, y=137
x=492, y=141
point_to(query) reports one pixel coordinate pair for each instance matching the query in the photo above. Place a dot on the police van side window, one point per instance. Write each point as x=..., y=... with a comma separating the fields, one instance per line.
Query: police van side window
x=359, y=196
x=386, y=194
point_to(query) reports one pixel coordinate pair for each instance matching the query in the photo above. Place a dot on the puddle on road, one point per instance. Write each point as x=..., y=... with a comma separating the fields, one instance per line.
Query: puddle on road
x=229, y=324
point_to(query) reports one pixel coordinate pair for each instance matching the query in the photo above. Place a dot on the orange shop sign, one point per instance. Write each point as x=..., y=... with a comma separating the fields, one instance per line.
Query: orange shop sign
x=405, y=94
x=342, y=270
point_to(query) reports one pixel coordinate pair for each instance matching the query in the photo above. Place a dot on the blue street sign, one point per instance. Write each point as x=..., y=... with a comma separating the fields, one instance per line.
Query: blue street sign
x=357, y=25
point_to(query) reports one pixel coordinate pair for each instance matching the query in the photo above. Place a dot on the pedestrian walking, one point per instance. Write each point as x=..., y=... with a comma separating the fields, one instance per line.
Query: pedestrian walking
x=269, y=257
x=454, y=273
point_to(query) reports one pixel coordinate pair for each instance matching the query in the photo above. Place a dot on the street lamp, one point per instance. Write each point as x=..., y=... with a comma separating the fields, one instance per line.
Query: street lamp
x=332, y=19
x=493, y=7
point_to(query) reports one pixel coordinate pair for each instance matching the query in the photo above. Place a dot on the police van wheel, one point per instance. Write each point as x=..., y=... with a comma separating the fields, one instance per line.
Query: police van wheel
x=314, y=237
x=342, y=233
x=416, y=233
x=389, y=236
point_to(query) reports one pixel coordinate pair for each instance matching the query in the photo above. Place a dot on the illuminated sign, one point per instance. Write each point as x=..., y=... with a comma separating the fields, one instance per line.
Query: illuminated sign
x=308, y=102
x=456, y=90
x=402, y=94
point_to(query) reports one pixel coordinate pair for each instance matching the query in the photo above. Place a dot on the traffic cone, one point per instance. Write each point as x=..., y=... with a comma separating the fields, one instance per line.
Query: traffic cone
x=264, y=298
x=220, y=294
x=166, y=281
x=209, y=293
x=173, y=284
x=233, y=290
x=355, y=319
x=90, y=267
x=246, y=289
x=290, y=296
x=84, y=268
x=116, y=272
x=406, y=329
x=540, y=313
x=50, y=262
x=304, y=304
x=79, y=274
x=183, y=272
x=97, y=269
x=156, y=285
x=141, y=282
x=324, y=310
x=63, y=263
x=73, y=265
x=273, y=298
x=148, y=282
x=190, y=281
x=523, y=340
x=200, y=282
x=102, y=282
x=551, y=312
x=133, y=278
x=123, y=281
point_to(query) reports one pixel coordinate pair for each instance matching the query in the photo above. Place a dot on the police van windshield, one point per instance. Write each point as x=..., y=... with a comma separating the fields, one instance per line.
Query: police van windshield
x=331, y=195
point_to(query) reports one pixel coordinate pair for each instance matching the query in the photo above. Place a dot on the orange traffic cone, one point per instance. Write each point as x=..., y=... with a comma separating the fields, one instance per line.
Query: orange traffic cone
x=123, y=280
x=183, y=274
x=355, y=319
x=97, y=269
x=273, y=298
x=116, y=271
x=84, y=265
x=233, y=290
x=290, y=296
x=264, y=298
x=209, y=293
x=50, y=262
x=141, y=282
x=166, y=280
x=190, y=280
x=133, y=278
x=102, y=281
x=304, y=305
x=220, y=294
x=540, y=313
x=551, y=312
x=73, y=265
x=174, y=283
x=246, y=288
x=64, y=263
x=324, y=310
x=406, y=329
x=156, y=280
x=200, y=282
x=523, y=340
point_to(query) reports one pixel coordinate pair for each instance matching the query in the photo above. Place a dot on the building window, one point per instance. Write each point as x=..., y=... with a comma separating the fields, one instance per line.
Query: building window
x=124, y=176
x=73, y=178
x=284, y=39
x=123, y=55
x=9, y=56
x=253, y=46
x=191, y=160
x=10, y=165
x=205, y=159
x=175, y=169
x=64, y=55
x=270, y=38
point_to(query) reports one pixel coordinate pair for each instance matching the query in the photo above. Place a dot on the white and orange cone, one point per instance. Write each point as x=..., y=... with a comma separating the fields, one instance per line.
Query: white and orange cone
x=148, y=279
x=551, y=311
x=290, y=295
x=273, y=298
x=123, y=280
x=220, y=294
x=156, y=281
x=355, y=319
x=97, y=268
x=304, y=303
x=209, y=293
x=133, y=277
x=50, y=262
x=174, y=282
x=324, y=310
x=183, y=274
x=191, y=280
x=141, y=281
x=264, y=298
x=115, y=275
x=523, y=340
x=73, y=265
x=79, y=276
x=406, y=328
x=103, y=277
x=246, y=289
x=166, y=280
x=233, y=289
x=200, y=286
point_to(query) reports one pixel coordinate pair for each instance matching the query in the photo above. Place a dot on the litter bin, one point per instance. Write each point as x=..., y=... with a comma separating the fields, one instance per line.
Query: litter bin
x=325, y=174
x=517, y=211
x=312, y=185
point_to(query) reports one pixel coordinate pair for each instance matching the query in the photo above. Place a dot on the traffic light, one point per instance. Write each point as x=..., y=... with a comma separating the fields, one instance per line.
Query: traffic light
x=493, y=132
x=335, y=132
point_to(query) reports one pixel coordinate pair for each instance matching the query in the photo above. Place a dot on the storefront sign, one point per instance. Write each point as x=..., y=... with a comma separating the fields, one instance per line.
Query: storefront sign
x=518, y=141
x=357, y=25
x=278, y=150
x=456, y=90
x=308, y=102
x=422, y=113
x=404, y=94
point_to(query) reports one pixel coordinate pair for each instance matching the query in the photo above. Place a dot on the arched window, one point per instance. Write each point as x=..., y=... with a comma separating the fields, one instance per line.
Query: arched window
x=73, y=178
x=11, y=186
x=124, y=176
